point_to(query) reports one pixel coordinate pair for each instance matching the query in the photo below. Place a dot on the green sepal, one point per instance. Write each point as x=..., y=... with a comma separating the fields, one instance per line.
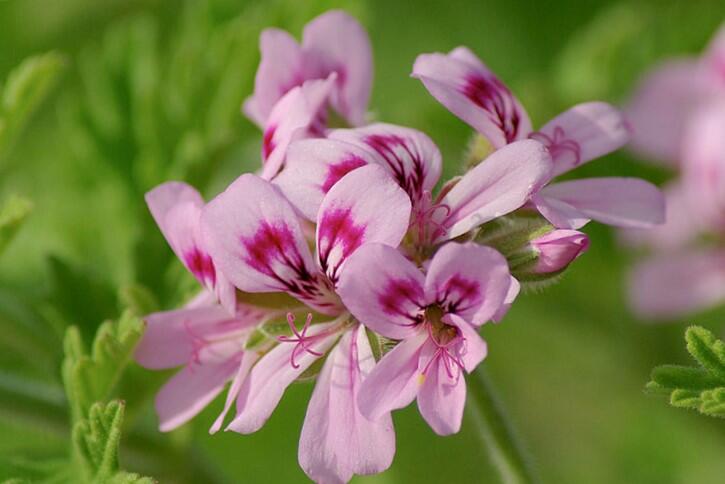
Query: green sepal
x=707, y=350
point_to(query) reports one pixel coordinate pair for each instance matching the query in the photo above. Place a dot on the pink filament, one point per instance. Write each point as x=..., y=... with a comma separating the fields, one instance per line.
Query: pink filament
x=300, y=338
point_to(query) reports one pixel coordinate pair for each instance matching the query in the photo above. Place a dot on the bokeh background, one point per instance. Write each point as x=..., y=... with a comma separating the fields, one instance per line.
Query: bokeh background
x=150, y=91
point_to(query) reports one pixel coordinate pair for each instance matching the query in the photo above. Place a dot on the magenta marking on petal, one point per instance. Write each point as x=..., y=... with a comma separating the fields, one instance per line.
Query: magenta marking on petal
x=268, y=144
x=201, y=265
x=456, y=291
x=398, y=291
x=338, y=170
x=494, y=97
x=558, y=144
x=338, y=229
x=410, y=178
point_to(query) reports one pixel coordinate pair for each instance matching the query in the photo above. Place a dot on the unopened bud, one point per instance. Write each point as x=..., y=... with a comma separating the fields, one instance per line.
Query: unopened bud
x=557, y=249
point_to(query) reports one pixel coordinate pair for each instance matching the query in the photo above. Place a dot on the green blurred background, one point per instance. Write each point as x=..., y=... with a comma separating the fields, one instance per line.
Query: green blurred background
x=150, y=91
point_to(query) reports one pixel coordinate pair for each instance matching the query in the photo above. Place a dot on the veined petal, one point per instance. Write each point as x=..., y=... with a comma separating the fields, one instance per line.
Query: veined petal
x=500, y=184
x=255, y=236
x=264, y=386
x=677, y=284
x=249, y=358
x=365, y=206
x=409, y=155
x=191, y=389
x=395, y=380
x=583, y=133
x=441, y=398
x=299, y=114
x=623, y=202
x=468, y=280
x=336, y=42
x=463, y=84
x=337, y=441
x=313, y=167
x=383, y=290
x=280, y=70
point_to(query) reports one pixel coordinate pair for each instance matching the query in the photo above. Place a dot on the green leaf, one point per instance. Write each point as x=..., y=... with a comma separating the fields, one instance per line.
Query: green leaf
x=12, y=214
x=701, y=388
x=26, y=87
x=90, y=378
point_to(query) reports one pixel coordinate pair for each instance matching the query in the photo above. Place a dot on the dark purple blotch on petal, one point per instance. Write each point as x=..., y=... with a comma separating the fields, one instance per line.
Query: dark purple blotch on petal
x=338, y=170
x=458, y=294
x=396, y=293
x=492, y=95
x=337, y=228
x=391, y=147
x=201, y=265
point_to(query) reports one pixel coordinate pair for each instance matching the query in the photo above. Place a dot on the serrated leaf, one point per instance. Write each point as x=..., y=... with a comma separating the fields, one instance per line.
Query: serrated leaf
x=707, y=350
x=13, y=213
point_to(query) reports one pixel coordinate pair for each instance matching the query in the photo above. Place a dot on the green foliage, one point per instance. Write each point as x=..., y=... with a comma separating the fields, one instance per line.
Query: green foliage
x=701, y=388
x=26, y=87
x=13, y=213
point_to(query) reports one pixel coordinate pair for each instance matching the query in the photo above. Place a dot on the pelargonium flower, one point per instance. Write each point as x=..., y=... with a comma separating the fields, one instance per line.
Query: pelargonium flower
x=434, y=314
x=461, y=82
x=256, y=235
x=335, y=43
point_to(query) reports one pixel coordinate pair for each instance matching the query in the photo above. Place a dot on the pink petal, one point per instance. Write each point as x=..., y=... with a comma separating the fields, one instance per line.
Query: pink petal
x=383, y=290
x=336, y=42
x=661, y=107
x=264, y=386
x=365, y=206
x=255, y=237
x=409, y=155
x=714, y=58
x=557, y=249
x=674, y=285
x=623, y=202
x=500, y=184
x=280, y=69
x=468, y=280
x=463, y=84
x=313, y=167
x=298, y=115
x=475, y=347
x=511, y=295
x=583, y=133
x=395, y=380
x=441, y=399
x=249, y=358
x=337, y=441
x=192, y=389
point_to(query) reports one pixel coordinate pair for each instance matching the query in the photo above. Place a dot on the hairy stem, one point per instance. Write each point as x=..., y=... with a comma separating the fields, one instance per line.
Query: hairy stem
x=496, y=432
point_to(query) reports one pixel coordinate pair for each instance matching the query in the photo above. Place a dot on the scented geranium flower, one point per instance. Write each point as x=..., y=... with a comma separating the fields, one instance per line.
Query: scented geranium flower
x=255, y=234
x=434, y=314
x=462, y=83
x=500, y=184
x=176, y=208
x=333, y=43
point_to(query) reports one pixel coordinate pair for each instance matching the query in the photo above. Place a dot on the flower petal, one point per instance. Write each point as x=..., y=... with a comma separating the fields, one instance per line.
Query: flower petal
x=263, y=388
x=336, y=42
x=313, y=167
x=511, y=295
x=280, y=69
x=583, y=133
x=677, y=284
x=255, y=236
x=365, y=206
x=623, y=202
x=463, y=84
x=298, y=115
x=500, y=184
x=191, y=389
x=441, y=399
x=468, y=280
x=395, y=380
x=249, y=358
x=409, y=155
x=475, y=347
x=337, y=441
x=383, y=290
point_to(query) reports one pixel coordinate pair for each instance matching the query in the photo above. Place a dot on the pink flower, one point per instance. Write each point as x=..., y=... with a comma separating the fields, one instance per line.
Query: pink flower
x=462, y=83
x=557, y=249
x=333, y=43
x=435, y=315
x=176, y=208
x=503, y=183
x=255, y=234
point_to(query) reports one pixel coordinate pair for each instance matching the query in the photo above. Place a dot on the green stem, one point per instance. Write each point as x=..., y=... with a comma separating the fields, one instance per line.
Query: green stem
x=496, y=432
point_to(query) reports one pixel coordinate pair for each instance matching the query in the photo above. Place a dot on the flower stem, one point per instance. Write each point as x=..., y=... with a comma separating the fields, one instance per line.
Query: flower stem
x=495, y=430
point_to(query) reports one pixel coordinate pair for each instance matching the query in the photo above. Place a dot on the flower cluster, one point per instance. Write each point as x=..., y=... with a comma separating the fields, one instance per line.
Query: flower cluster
x=340, y=260
x=678, y=114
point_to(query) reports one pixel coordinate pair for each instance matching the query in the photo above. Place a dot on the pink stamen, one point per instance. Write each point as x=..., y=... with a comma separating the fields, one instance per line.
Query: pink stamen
x=424, y=215
x=300, y=338
x=559, y=144
x=449, y=358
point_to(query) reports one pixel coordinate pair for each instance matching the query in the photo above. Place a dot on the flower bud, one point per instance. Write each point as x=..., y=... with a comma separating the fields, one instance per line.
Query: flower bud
x=557, y=249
